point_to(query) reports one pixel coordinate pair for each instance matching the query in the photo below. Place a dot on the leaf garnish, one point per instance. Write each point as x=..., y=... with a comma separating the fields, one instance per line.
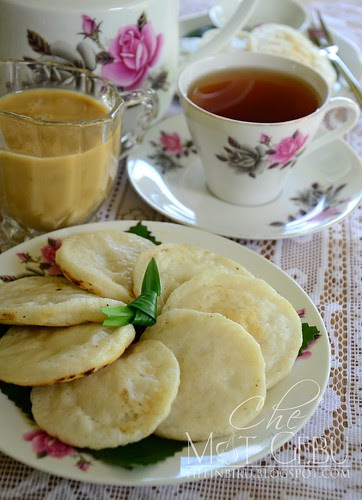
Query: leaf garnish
x=121, y=317
x=146, y=303
x=148, y=451
x=143, y=310
x=144, y=232
x=309, y=333
x=151, y=281
x=143, y=319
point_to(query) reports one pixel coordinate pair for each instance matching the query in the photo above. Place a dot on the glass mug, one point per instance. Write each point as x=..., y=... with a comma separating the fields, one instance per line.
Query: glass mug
x=56, y=173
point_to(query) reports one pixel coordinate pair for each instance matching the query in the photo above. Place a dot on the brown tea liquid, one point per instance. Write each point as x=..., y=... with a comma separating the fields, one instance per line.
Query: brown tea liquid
x=254, y=95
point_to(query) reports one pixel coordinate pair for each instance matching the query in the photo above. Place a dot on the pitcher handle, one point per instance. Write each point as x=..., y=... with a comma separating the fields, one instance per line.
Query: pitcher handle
x=148, y=99
x=226, y=33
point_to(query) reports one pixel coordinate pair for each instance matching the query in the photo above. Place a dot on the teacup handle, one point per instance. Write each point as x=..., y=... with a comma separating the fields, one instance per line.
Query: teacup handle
x=148, y=99
x=346, y=126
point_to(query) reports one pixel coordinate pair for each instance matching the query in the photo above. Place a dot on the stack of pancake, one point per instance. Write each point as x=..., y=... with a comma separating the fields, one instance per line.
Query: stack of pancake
x=221, y=340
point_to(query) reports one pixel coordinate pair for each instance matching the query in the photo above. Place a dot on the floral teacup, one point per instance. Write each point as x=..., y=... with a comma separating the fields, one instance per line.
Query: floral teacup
x=246, y=163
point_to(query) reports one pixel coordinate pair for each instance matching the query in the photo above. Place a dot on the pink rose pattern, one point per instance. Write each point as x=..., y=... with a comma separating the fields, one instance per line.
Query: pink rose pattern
x=38, y=266
x=169, y=150
x=48, y=257
x=135, y=49
x=253, y=161
x=265, y=139
x=287, y=148
x=126, y=61
x=172, y=143
x=301, y=312
x=90, y=27
x=45, y=445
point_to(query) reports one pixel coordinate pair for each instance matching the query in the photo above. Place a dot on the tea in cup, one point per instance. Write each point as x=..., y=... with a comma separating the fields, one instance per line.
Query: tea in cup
x=60, y=143
x=251, y=116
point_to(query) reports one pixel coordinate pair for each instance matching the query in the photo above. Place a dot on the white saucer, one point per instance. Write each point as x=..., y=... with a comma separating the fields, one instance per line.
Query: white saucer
x=321, y=190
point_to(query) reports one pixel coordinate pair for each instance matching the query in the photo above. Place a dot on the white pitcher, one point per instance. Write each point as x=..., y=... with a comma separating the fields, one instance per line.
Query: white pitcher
x=134, y=43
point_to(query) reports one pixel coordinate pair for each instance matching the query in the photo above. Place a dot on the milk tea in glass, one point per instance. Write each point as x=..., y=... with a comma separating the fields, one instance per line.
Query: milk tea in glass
x=60, y=137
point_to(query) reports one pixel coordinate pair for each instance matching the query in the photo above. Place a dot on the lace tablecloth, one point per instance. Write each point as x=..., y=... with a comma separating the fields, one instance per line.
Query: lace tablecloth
x=328, y=265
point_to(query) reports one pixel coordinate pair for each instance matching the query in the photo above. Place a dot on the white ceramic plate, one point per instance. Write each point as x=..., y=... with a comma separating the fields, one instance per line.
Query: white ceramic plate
x=321, y=189
x=302, y=389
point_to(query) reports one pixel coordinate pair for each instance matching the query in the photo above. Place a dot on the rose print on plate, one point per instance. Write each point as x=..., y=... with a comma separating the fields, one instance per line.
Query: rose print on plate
x=126, y=60
x=317, y=203
x=169, y=150
x=38, y=266
x=45, y=445
x=265, y=155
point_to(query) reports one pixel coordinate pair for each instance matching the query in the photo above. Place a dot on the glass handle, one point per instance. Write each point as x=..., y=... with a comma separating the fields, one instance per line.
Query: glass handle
x=147, y=98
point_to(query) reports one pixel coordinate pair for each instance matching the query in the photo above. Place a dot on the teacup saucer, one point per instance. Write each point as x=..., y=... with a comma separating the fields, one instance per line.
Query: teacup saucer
x=322, y=189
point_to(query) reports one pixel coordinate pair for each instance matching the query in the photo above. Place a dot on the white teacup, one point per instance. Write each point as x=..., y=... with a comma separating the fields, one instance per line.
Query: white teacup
x=246, y=163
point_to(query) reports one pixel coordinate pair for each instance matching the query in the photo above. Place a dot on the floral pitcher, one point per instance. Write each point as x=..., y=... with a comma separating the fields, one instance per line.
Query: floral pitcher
x=134, y=43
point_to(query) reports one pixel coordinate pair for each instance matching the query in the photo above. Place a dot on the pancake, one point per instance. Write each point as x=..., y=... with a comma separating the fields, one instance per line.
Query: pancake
x=255, y=305
x=49, y=301
x=31, y=355
x=119, y=404
x=179, y=262
x=102, y=262
x=222, y=382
